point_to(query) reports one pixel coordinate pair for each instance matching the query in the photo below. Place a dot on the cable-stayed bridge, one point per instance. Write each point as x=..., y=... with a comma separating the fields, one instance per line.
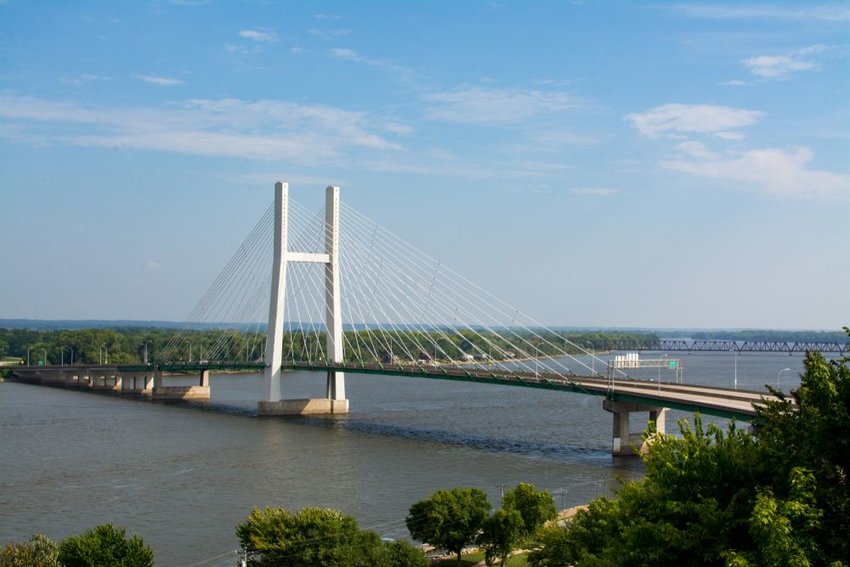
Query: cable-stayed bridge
x=333, y=292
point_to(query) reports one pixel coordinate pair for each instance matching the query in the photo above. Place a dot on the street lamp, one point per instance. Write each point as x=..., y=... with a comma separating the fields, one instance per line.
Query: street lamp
x=735, y=359
x=100, y=353
x=592, y=358
x=563, y=492
x=28, y=355
x=44, y=350
x=146, y=351
x=778, y=374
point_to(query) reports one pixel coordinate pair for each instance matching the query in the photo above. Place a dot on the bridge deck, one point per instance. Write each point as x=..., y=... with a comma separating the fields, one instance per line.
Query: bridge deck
x=721, y=402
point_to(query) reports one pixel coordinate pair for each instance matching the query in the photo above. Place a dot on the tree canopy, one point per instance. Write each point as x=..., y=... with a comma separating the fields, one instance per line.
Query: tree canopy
x=105, y=545
x=318, y=537
x=726, y=498
x=39, y=551
x=449, y=519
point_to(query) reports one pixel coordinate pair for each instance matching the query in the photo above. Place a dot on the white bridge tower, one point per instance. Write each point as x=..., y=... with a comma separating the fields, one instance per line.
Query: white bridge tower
x=335, y=402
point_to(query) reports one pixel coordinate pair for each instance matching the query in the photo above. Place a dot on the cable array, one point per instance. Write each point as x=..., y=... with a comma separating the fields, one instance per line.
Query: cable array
x=401, y=308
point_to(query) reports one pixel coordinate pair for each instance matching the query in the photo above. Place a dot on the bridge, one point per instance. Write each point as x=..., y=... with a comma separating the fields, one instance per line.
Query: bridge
x=701, y=345
x=343, y=295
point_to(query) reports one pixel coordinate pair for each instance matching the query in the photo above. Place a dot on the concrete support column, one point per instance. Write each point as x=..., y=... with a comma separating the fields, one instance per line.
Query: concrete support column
x=624, y=442
x=333, y=309
x=274, y=331
x=205, y=379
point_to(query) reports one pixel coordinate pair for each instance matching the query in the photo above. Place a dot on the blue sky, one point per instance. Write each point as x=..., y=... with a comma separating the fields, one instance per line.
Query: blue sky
x=593, y=163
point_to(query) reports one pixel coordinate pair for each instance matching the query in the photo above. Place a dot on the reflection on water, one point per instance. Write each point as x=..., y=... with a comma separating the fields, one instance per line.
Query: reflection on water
x=183, y=478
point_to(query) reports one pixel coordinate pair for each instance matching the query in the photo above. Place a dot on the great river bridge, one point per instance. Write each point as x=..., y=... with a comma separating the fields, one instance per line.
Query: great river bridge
x=405, y=315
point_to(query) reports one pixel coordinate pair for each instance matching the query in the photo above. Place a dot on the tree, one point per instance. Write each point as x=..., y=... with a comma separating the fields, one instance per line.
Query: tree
x=39, y=551
x=449, y=519
x=403, y=554
x=318, y=537
x=712, y=498
x=105, y=545
x=535, y=507
x=500, y=534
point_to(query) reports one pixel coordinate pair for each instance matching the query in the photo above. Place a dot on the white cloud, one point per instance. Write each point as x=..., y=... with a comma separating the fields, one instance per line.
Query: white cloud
x=81, y=79
x=328, y=35
x=160, y=81
x=480, y=105
x=383, y=64
x=595, y=191
x=779, y=66
x=674, y=120
x=259, y=36
x=259, y=130
x=769, y=171
x=153, y=265
x=819, y=12
x=733, y=83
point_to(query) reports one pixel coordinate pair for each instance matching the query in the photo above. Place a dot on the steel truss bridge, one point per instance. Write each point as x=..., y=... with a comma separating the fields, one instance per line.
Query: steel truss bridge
x=724, y=346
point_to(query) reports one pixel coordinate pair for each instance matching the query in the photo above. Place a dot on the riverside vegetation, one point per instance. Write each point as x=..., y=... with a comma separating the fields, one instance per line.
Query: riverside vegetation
x=710, y=497
x=128, y=345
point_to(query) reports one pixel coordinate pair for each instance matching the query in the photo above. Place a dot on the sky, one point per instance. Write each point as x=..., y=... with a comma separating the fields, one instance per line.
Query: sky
x=595, y=164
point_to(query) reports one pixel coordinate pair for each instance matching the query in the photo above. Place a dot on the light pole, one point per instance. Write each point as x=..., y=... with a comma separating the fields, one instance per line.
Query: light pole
x=563, y=492
x=592, y=358
x=735, y=359
x=44, y=350
x=100, y=353
x=190, y=351
x=778, y=374
x=146, y=351
x=28, y=355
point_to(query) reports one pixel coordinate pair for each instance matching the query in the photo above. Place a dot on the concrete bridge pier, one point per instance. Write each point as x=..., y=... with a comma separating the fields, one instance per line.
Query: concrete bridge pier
x=626, y=443
x=199, y=392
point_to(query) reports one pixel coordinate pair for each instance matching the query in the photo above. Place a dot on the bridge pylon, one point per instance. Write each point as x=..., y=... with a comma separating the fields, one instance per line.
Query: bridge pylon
x=335, y=402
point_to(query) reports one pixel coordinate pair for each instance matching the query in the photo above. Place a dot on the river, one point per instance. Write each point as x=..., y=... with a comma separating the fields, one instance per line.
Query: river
x=183, y=476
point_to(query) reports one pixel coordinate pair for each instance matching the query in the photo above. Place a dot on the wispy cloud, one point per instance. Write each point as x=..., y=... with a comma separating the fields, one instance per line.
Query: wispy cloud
x=674, y=120
x=153, y=265
x=259, y=36
x=159, y=81
x=780, y=66
x=830, y=12
x=493, y=106
x=80, y=79
x=734, y=83
x=383, y=64
x=329, y=34
x=595, y=191
x=258, y=130
x=769, y=171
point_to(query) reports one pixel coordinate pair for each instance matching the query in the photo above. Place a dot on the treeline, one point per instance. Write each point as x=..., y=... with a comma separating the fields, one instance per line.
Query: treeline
x=763, y=335
x=136, y=345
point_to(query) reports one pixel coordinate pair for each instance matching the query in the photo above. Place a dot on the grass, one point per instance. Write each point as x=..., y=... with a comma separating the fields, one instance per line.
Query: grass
x=471, y=559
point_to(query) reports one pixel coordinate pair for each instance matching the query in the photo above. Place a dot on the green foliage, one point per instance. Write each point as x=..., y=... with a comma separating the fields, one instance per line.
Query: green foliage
x=535, y=507
x=500, y=534
x=105, y=545
x=318, y=537
x=449, y=519
x=715, y=498
x=126, y=345
x=39, y=551
x=404, y=554
x=811, y=430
